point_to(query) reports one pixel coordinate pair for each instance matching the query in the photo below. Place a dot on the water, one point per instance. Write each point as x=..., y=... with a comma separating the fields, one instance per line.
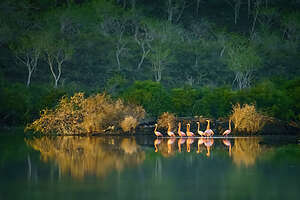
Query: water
x=129, y=168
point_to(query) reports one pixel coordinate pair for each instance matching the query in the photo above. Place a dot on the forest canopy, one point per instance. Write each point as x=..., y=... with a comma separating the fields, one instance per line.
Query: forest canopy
x=166, y=49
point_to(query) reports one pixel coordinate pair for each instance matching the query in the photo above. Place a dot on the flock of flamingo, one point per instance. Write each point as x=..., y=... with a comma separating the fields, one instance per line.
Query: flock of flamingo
x=206, y=137
x=207, y=133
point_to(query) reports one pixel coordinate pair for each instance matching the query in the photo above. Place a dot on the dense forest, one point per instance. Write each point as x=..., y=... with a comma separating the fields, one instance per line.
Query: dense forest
x=189, y=57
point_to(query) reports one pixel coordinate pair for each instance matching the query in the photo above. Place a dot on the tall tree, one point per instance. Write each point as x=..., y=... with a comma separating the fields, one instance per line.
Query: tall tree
x=143, y=39
x=242, y=58
x=57, y=51
x=236, y=6
x=28, y=52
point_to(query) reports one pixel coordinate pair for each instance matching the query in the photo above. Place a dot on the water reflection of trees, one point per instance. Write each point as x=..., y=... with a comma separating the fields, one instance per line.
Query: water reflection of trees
x=246, y=150
x=81, y=156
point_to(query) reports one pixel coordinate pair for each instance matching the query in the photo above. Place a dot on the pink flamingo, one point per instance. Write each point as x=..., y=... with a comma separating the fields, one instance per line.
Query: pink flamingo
x=188, y=132
x=170, y=133
x=157, y=133
x=201, y=133
x=180, y=133
x=208, y=131
x=228, y=130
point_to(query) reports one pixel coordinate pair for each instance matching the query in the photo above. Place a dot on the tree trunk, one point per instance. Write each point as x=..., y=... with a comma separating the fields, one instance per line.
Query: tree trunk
x=29, y=77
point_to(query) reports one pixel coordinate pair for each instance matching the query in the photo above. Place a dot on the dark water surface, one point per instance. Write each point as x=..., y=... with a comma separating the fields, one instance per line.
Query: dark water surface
x=114, y=167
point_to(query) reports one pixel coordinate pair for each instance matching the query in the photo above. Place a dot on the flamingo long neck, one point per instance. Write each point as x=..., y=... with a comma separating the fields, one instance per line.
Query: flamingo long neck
x=198, y=127
x=179, y=127
x=155, y=128
x=187, y=128
x=169, y=128
x=208, y=126
x=229, y=124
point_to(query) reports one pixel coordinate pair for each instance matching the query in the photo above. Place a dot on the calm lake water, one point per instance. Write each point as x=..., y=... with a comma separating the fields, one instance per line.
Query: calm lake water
x=114, y=167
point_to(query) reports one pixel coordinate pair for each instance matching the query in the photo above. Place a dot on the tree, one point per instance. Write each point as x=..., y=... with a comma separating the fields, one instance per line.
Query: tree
x=28, y=52
x=116, y=29
x=236, y=5
x=243, y=60
x=163, y=36
x=143, y=38
x=57, y=51
x=175, y=9
x=291, y=26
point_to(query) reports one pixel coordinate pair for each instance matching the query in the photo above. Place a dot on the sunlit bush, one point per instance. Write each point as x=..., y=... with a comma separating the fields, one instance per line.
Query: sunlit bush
x=247, y=119
x=77, y=114
x=129, y=123
x=166, y=118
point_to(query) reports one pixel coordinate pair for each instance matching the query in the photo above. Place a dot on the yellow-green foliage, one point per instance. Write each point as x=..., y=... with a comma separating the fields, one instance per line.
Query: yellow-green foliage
x=77, y=115
x=129, y=123
x=247, y=119
x=166, y=118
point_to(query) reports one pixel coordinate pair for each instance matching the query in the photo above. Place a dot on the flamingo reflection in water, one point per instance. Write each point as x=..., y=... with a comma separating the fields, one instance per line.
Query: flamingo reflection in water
x=180, y=142
x=200, y=142
x=188, y=144
x=170, y=142
x=208, y=143
x=228, y=144
x=156, y=143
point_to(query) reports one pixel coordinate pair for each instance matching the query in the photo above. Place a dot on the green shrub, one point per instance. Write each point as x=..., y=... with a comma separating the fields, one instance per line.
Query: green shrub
x=151, y=95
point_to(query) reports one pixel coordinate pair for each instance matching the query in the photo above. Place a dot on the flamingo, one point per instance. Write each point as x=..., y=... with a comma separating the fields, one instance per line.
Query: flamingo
x=180, y=142
x=200, y=142
x=170, y=142
x=156, y=142
x=208, y=143
x=199, y=132
x=188, y=132
x=188, y=144
x=157, y=133
x=228, y=130
x=228, y=144
x=180, y=133
x=208, y=131
x=170, y=133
